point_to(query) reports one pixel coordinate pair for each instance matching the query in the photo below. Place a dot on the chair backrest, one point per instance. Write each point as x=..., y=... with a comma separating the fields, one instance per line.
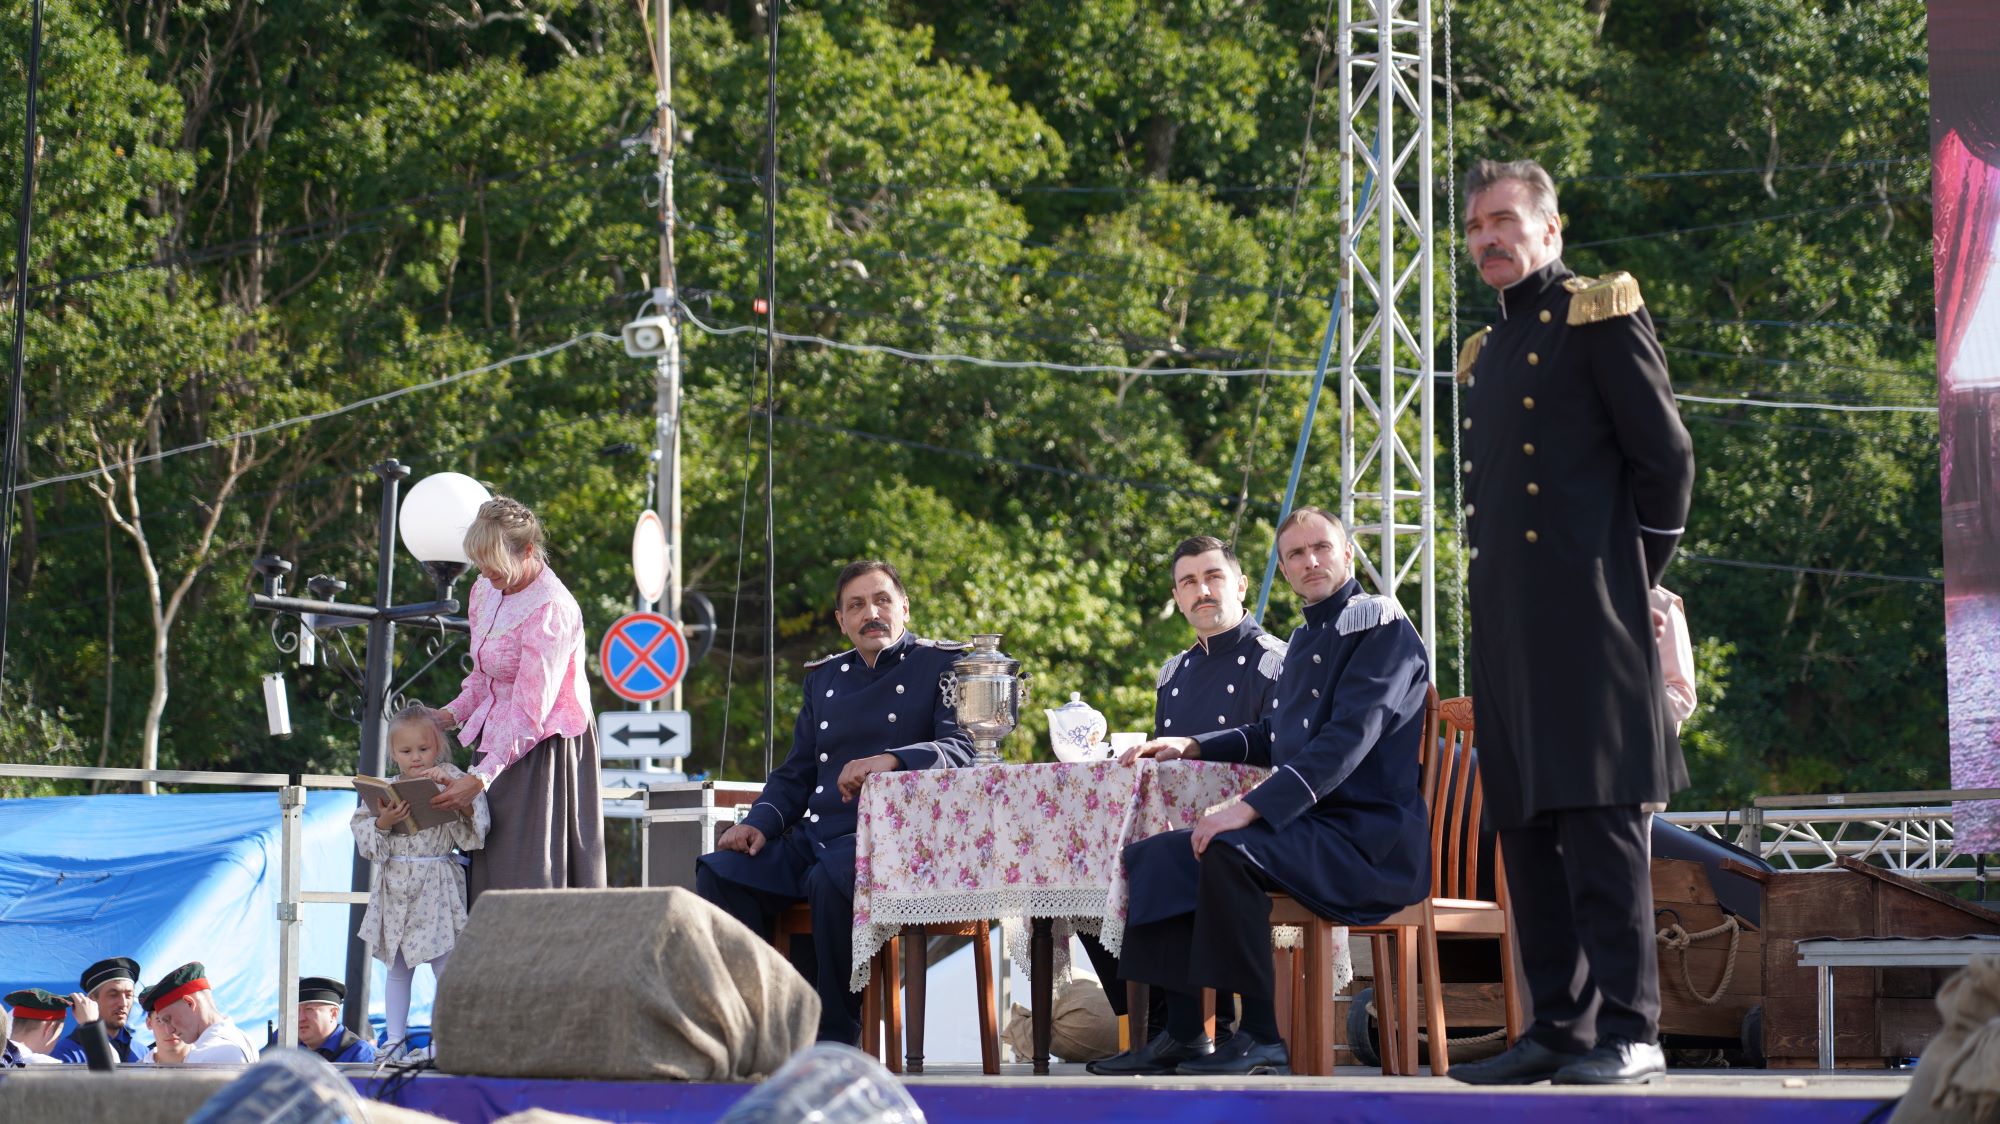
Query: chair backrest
x=1453, y=794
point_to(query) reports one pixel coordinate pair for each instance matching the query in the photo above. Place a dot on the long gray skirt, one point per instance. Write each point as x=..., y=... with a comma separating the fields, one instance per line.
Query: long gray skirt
x=548, y=822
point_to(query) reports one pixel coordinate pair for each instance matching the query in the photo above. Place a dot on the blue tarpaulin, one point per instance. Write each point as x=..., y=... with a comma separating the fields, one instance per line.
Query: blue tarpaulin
x=169, y=879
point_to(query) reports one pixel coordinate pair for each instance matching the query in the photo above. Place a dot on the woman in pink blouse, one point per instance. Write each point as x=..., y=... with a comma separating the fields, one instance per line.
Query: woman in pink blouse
x=527, y=704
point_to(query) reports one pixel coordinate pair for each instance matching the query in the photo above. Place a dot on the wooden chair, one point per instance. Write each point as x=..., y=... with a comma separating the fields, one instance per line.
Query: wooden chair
x=881, y=1010
x=1406, y=943
x=916, y=964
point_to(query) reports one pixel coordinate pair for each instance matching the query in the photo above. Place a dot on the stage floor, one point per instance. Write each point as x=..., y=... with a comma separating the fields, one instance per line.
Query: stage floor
x=955, y=1093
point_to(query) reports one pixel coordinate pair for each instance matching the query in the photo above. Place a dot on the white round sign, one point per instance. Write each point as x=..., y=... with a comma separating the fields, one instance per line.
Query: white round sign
x=649, y=556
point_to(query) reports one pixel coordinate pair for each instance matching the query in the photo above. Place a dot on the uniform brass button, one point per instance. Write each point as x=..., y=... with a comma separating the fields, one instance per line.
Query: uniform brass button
x=1177, y=692
x=1468, y=511
x=1469, y=381
x=1475, y=552
x=819, y=789
x=1468, y=466
x=899, y=688
x=1527, y=403
x=822, y=757
x=1232, y=688
x=1468, y=423
x=1533, y=359
x=1534, y=489
x=822, y=725
x=892, y=717
x=1528, y=447
x=1532, y=536
x=1167, y=723
x=1545, y=316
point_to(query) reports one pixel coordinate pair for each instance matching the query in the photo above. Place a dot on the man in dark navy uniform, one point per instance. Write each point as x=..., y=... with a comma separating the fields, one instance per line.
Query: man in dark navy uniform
x=876, y=707
x=111, y=984
x=1226, y=678
x=319, y=1023
x=1578, y=476
x=1339, y=824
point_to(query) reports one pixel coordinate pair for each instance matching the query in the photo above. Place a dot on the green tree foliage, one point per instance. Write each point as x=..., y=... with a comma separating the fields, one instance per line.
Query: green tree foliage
x=250, y=211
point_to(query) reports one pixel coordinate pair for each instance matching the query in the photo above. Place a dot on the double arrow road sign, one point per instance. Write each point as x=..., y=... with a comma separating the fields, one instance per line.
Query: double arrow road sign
x=638, y=733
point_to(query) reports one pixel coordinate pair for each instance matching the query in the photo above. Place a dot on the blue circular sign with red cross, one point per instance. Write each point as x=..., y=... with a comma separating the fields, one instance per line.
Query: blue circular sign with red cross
x=643, y=656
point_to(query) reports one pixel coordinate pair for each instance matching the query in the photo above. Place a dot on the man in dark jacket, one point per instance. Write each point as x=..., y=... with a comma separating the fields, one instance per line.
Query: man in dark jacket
x=1227, y=677
x=1339, y=824
x=1578, y=473
x=875, y=707
x=112, y=985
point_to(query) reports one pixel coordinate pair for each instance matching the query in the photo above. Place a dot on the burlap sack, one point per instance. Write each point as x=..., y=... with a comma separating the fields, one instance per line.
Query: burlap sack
x=1958, y=1080
x=137, y=1094
x=1081, y=1027
x=631, y=984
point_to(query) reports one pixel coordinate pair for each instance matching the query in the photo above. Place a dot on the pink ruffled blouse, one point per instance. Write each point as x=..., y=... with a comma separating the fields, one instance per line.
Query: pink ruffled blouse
x=527, y=681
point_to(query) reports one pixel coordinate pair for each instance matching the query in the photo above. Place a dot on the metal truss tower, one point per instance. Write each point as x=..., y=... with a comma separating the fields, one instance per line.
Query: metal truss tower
x=1388, y=268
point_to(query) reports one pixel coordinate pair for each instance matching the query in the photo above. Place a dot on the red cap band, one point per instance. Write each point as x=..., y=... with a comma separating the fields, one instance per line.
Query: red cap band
x=41, y=1013
x=179, y=993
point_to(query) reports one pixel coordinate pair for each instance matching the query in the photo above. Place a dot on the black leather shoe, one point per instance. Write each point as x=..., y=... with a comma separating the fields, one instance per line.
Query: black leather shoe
x=1524, y=1063
x=1157, y=1057
x=1240, y=1056
x=1616, y=1062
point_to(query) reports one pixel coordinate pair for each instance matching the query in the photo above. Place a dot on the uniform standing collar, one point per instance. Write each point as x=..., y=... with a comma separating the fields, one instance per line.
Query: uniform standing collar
x=890, y=653
x=1531, y=290
x=1321, y=612
x=1228, y=638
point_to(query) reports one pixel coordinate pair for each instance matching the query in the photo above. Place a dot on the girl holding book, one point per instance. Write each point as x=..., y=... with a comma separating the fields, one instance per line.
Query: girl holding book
x=418, y=905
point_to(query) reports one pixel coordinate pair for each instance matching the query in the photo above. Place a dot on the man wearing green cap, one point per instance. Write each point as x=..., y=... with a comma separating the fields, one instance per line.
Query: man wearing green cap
x=37, y=1022
x=111, y=984
x=184, y=1001
x=319, y=1023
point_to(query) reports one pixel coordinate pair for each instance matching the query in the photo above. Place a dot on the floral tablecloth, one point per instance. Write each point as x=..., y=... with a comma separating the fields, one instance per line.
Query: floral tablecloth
x=1018, y=842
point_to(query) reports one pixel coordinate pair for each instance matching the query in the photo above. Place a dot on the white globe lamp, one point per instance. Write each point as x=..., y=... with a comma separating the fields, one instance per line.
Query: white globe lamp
x=433, y=521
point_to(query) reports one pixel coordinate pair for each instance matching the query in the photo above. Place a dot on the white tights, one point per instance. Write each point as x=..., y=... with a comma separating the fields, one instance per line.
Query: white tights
x=396, y=1001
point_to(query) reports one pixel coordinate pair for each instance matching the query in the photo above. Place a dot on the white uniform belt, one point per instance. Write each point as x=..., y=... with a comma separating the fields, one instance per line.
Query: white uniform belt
x=421, y=859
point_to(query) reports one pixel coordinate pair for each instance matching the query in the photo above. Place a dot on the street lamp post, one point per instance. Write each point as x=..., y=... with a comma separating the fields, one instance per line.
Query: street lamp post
x=433, y=521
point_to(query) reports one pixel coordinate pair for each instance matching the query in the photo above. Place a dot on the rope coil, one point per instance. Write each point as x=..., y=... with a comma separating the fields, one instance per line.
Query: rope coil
x=1680, y=940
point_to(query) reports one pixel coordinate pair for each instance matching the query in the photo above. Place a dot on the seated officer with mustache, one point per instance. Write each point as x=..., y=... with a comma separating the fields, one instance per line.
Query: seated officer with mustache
x=1339, y=824
x=1227, y=677
x=876, y=707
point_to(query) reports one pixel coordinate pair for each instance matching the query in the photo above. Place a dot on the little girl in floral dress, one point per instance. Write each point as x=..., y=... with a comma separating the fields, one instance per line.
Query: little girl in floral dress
x=418, y=905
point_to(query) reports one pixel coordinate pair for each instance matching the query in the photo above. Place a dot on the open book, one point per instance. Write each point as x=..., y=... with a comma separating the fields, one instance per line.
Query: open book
x=416, y=791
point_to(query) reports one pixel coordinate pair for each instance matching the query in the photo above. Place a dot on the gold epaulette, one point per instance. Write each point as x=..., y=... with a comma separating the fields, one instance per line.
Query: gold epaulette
x=1469, y=354
x=1592, y=299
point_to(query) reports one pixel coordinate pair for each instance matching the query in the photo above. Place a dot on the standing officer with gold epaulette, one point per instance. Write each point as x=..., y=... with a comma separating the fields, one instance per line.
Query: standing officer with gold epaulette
x=1577, y=479
x=876, y=707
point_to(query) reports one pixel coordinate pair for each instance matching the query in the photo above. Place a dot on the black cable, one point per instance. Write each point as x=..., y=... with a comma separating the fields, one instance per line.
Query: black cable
x=1820, y=570
x=770, y=391
x=16, y=392
x=1871, y=201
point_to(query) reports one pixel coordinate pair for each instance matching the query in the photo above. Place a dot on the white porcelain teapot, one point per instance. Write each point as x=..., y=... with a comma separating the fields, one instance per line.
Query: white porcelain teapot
x=1076, y=731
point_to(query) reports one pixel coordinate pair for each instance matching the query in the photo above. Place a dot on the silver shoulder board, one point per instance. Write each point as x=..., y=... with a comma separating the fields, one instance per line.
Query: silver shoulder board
x=1368, y=611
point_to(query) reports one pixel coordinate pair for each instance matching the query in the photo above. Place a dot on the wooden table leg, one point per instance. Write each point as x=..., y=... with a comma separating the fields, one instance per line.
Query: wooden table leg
x=916, y=960
x=1138, y=1012
x=1041, y=987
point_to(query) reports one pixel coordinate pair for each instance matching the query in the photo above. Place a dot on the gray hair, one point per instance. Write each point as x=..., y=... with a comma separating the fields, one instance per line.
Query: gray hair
x=1541, y=188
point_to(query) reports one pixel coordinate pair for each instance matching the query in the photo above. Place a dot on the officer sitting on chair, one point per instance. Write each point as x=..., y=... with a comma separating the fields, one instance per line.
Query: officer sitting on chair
x=1339, y=824
x=876, y=707
x=1227, y=677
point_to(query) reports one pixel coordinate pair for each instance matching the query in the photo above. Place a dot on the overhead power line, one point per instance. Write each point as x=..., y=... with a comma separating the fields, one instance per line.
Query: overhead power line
x=1860, y=575
x=1126, y=369
x=304, y=419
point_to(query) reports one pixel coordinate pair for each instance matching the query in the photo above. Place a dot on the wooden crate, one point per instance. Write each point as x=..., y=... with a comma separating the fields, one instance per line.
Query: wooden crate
x=1881, y=1015
x=1683, y=887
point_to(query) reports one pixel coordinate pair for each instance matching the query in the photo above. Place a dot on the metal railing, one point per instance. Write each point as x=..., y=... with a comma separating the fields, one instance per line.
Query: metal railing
x=1907, y=833
x=291, y=789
